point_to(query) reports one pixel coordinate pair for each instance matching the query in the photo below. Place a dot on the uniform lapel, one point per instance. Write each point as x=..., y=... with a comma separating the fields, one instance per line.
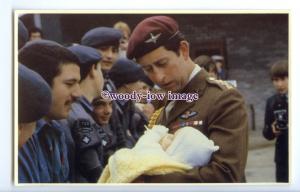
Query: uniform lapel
x=196, y=85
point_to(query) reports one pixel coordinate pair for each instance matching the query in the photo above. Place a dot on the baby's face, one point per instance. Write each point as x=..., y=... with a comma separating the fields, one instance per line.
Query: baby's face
x=166, y=141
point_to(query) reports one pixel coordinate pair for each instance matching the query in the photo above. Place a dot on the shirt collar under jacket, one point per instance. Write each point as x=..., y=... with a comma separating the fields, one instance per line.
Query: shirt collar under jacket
x=196, y=69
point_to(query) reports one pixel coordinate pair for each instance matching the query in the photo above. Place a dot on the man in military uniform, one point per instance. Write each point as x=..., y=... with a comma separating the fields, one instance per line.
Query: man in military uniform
x=107, y=41
x=43, y=158
x=85, y=138
x=159, y=47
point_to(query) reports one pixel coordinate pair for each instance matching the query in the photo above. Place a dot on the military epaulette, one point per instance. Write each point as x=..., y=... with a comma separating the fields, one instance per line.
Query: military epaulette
x=154, y=117
x=221, y=83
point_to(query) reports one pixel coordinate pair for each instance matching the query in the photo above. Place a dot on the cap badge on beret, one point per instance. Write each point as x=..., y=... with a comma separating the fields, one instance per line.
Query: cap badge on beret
x=153, y=38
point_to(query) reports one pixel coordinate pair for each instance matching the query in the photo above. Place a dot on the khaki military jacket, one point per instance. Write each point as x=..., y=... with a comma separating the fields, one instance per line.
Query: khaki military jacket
x=221, y=115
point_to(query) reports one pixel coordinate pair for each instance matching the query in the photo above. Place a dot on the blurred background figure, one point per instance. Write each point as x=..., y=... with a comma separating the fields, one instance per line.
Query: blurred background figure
x=219, y=61
x=35, y=33
x=206, y=62
x=126, y=31
x=276, y=119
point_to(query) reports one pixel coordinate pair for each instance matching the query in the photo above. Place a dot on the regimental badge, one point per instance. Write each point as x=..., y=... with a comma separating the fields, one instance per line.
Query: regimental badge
x=153, y=38
x=188, y=114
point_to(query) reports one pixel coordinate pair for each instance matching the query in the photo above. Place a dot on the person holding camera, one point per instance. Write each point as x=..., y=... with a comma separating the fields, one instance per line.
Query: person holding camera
x=276, y=119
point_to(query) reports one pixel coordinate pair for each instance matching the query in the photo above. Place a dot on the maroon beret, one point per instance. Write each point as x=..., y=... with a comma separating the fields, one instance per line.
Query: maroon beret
x=150, y=34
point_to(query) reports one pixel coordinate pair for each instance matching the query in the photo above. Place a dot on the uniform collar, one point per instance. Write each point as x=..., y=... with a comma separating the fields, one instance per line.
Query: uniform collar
x=85, y=104
x=40, y=124
x=197, y=82
x=196, y=70
x=43, y=124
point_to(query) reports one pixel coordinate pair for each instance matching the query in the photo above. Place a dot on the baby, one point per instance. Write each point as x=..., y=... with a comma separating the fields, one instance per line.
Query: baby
x=187, y=145
x=158, y=153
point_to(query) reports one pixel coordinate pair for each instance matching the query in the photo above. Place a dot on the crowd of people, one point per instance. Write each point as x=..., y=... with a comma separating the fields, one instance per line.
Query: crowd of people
x=70, y=133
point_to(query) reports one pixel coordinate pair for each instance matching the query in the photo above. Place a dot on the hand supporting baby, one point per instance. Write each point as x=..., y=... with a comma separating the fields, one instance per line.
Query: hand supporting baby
x=187, y=145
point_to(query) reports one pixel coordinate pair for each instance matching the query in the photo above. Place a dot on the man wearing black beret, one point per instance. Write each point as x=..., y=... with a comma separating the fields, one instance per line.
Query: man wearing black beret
x=43, y=158
x=220, y=113
x=85, y=138
x=107, y=41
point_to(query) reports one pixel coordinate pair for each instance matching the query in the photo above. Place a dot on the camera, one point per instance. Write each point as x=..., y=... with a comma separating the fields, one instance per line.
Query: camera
x=280, y=111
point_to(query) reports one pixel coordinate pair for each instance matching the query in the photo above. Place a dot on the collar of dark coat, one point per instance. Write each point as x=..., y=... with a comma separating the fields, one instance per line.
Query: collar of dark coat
x=196, y=85
x=85, y=104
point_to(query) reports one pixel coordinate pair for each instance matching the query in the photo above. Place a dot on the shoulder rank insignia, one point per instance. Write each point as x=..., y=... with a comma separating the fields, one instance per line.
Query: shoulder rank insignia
x=188, y=114
x=220, y=82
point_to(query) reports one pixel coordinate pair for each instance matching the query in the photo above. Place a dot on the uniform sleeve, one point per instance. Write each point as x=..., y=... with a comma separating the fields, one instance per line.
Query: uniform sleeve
x=228, y=127
x=267, y=131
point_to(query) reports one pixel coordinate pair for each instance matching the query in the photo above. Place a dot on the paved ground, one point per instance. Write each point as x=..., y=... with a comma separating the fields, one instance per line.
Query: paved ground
x=256, y=87
x=260, y=165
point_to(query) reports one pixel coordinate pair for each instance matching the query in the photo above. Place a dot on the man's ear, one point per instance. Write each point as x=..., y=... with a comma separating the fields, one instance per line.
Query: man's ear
x=185, y=49
x=93, y=70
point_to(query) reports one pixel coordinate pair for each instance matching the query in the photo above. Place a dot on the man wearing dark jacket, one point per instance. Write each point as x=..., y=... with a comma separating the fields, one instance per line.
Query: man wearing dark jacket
x=218, y=110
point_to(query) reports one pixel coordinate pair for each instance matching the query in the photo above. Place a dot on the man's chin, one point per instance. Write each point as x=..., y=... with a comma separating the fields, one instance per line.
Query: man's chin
x=106, y=66
x=105, y=121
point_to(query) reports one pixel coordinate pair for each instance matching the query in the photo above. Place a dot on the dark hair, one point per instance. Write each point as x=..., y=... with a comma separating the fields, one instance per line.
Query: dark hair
x=86, y=68
x=46, y=59
x=174, y=42
x=279, y=69
x=35, y=30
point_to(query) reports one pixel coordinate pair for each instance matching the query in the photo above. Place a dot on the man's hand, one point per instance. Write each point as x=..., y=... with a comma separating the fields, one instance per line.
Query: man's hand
x=276, y=132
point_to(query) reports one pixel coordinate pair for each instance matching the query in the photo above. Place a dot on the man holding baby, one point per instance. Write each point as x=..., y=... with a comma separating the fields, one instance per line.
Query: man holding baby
x=219, y=113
